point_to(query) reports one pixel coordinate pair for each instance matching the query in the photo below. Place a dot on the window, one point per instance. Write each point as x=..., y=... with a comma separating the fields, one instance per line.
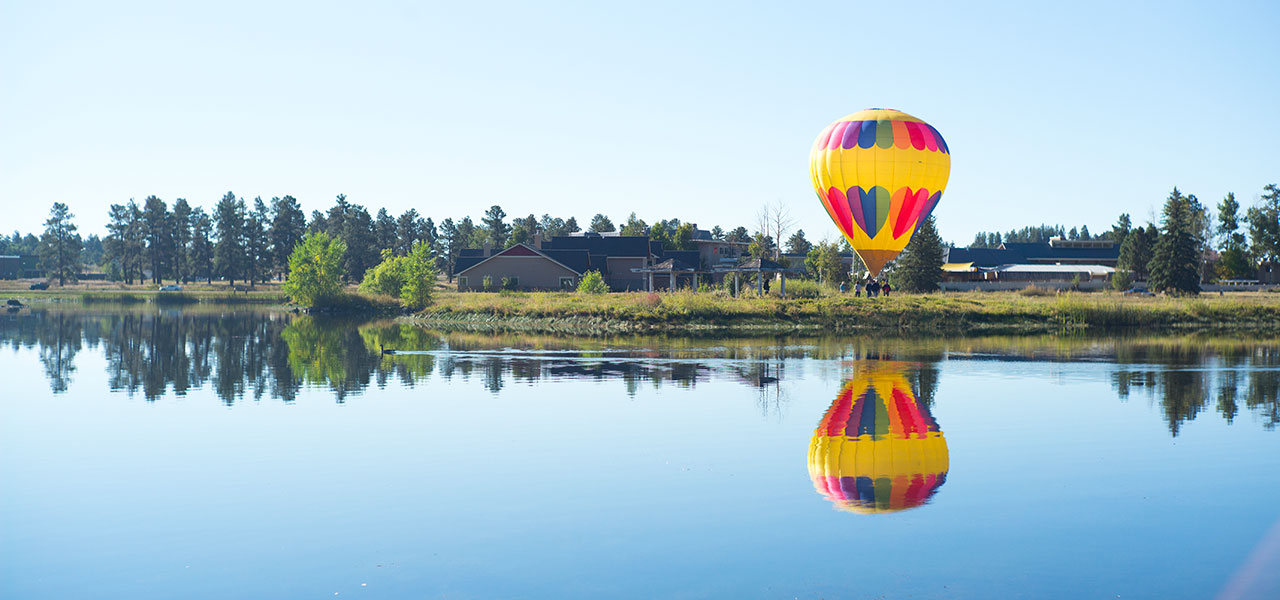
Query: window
x=462, y=283
x=566, y=283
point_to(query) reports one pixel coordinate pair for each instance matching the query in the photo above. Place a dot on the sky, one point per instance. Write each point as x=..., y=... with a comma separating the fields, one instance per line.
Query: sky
x=1065, y=113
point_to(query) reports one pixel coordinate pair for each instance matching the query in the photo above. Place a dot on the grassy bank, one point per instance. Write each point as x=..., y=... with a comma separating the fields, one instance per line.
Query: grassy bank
x=993, y=312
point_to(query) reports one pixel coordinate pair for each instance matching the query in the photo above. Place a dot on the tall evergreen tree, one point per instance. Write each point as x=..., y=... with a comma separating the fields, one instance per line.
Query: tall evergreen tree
x=600, y=224
x=156, y=224
x=1175, y=260
x=1135, y=253
x=229, y=251
x=384, y=231
x=180, y=230
x=796, y=244
x=407, y=231
x=257, y=243
x=1234, y=262
x=919, y=268
x=358, y=235
x=1121, y=229
x=451, y=246
x=201, y=245
x=288, y=224
x=1264, y=226
x=496, y=229
x=60, y=245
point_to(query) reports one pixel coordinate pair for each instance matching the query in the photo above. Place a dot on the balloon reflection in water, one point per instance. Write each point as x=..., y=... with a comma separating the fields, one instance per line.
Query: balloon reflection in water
x=878, y=448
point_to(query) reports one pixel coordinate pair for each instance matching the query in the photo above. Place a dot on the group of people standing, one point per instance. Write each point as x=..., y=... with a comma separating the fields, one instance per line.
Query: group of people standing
x=874, y=287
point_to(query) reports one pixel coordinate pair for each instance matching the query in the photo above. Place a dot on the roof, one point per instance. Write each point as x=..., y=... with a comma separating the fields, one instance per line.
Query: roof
x=1091, y=269
x=671, y=264
x=578, y=260
x=1028, y=252
x=621, y=245
x=758, y=264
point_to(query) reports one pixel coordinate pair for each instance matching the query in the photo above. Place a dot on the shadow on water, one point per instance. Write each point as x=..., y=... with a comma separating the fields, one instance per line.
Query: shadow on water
x=246, y=353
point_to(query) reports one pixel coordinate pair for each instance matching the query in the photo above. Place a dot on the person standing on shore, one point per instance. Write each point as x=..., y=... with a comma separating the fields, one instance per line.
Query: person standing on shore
x=887, y=288
x=857, y=288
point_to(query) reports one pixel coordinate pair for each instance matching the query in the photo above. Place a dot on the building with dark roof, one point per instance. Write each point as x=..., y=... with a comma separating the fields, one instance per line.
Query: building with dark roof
x=560, y=262
x=1020, y=264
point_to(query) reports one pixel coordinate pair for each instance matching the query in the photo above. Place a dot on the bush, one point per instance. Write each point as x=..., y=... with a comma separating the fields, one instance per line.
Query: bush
x=315, y=269
x=1121, y=280
x=592, y=283
x=487, y=283
x=509, y=283
x=419, y=277
x=385, y=278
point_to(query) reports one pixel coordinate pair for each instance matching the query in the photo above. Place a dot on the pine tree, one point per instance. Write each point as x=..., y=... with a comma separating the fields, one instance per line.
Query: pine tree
x=1234, y=262
x=796, y=244
x=384, y=231
x=358, y=235
x=1135, y=252
x=257, y=243
x=919, y=267
x=407, y=232
x=180, y=230
x=288, y=224
x=201, y=245
x=155, y=216
x=1175, y=259
x=60, y=245
x=497, y=230
x=1264, y=226
x=601, y=224
x=228, y=253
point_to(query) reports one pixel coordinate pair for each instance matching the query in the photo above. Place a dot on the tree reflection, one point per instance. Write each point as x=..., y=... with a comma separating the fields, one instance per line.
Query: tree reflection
x=244, y=353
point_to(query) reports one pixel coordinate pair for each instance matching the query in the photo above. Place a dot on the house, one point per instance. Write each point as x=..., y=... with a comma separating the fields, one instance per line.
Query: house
x=1017, y=264
x=560, y=262
x=20, y=267
x=556, y=264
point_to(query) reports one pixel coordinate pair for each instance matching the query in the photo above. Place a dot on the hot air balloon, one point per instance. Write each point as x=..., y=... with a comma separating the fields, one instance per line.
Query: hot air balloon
x=879, y=173
x=878, y=449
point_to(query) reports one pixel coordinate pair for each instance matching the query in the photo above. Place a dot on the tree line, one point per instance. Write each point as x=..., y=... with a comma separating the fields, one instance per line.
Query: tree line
x=251, y=240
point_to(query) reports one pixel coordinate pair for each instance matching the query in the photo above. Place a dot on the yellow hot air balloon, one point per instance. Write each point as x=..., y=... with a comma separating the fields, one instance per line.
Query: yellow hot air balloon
x=879, y=173
x=878, y=448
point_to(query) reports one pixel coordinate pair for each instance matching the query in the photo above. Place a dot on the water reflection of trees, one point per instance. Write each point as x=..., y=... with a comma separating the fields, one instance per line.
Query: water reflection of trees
x=1188, y=379
x=247, y=353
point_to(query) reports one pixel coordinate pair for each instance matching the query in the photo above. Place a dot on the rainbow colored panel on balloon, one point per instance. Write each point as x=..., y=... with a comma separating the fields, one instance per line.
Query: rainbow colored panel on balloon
x=879, y=174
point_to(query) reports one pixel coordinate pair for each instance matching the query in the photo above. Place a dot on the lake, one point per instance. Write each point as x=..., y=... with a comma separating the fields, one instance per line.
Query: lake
x=223, y=452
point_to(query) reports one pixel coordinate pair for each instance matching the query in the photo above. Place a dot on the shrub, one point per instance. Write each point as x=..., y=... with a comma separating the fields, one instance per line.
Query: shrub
x=592, y=283
x=509, y=283
x=387, y=277
x=652, y=300
x=1121, y=280
x=315, y=269
x=487, y=283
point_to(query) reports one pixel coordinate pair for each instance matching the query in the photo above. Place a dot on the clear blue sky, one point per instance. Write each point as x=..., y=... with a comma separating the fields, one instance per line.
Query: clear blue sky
x=1058, y=113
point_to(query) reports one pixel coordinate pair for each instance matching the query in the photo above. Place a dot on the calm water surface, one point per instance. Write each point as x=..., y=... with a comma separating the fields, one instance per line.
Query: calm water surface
x=208, y=453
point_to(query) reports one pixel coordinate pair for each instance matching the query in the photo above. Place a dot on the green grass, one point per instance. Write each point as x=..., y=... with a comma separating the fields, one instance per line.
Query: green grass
x=993, y=312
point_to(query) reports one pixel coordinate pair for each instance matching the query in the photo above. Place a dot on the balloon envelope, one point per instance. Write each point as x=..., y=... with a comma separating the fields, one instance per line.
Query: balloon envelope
x=877, y=448
x=879, y=173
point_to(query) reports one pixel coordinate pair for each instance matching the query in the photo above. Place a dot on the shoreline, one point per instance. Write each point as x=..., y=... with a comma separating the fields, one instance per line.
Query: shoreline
x=693, y=313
